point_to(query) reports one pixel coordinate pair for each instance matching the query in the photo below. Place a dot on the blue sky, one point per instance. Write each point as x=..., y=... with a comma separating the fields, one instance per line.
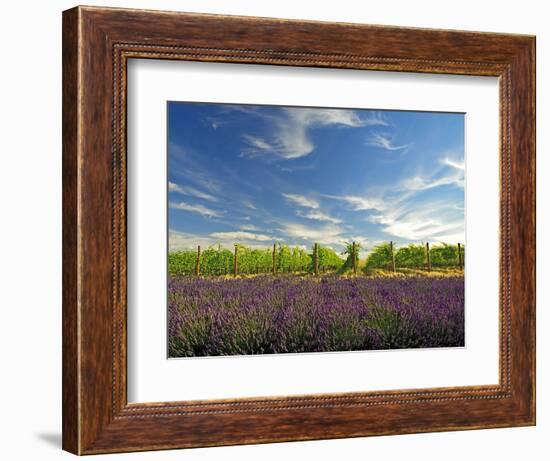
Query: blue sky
x=262, y=174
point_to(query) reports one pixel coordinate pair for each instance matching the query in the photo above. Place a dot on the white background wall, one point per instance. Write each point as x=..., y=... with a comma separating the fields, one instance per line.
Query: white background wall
x=30, y=228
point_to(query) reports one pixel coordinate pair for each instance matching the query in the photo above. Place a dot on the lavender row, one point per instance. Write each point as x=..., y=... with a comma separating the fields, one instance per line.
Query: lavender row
x=268, y=315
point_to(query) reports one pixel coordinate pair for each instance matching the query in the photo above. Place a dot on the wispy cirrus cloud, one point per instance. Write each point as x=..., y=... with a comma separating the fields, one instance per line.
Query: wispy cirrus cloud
x=256, y=144
x=327, y=234
x=457, y=164
x=292, y=125
x=249, y=204
x=317, y=215
x=418, y=183
x=190, y=164
x=403, y=213
x=384, y=141
x=178, y=240
x=450, y=172
x=188, y=190
x=248, y=227
x=358, y=203
x=434, y=221
x=312, y=208
x=301, y=200
x=242, y=235
x=196, y=208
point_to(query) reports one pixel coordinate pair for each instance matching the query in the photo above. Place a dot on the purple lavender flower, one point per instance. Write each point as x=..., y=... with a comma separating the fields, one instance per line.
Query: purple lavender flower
x=268, y=315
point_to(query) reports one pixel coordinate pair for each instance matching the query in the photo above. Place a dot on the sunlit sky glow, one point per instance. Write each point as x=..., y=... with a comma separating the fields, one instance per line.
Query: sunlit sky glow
x=256, y=175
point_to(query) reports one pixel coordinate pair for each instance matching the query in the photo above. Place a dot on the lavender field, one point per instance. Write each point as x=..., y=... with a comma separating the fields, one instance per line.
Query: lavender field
x=291, y=314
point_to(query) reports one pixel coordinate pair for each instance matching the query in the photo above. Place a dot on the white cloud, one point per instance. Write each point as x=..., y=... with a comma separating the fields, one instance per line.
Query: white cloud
x=249, y=204
x=205, y=180
x=359, y=203
x=188, y=190
x=313, y=205
x=184, y=241
x=438, y=178
x=190, y=164
x=434, y=221
x=242, y=235
x=402, y=214
x=291, y=130
x=454, y=238
x=457, y=164
x=419, y=183
x=366, y=244
x=301, y=200
x=199, y=209
x=248, y=227
x=178, y=241
x=328, y=234
x=214, y=122
x=257, y=143
x=384, y=142
x=317, y=216
x=375, y=119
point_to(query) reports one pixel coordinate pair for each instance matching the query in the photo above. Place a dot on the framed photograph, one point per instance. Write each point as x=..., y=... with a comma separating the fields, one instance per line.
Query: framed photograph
x=280, y=230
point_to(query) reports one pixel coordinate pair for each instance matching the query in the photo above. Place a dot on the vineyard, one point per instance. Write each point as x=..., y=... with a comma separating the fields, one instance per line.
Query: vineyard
x=302, y=301
x=283, y=259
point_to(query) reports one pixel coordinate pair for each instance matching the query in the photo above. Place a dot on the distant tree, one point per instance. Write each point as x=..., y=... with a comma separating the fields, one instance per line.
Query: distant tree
x=444, y=255
x=216, y=261
x=349, y=253
x=293, y=259
x=328, y=259
x=182, y=262
x=379, y=257
x=411, y=256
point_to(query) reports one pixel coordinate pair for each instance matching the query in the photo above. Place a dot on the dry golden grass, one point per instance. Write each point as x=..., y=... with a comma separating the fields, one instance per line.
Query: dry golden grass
x=374, y=273
x=435, y=272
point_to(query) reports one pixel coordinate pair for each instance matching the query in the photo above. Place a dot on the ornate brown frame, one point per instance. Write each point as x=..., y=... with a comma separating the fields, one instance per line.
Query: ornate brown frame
x=97, y=43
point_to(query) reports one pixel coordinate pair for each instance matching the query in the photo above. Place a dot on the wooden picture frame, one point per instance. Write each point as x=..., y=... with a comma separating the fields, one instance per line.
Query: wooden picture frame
x=97, y=43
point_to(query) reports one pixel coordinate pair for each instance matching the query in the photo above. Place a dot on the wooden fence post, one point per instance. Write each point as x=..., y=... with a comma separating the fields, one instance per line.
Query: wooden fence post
x=354, y=258
x=235, y=264
x=459, y=257
x=428, y=262
x=392, y=257
x=315, y=259
x=274, y=259
x=198, y=262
